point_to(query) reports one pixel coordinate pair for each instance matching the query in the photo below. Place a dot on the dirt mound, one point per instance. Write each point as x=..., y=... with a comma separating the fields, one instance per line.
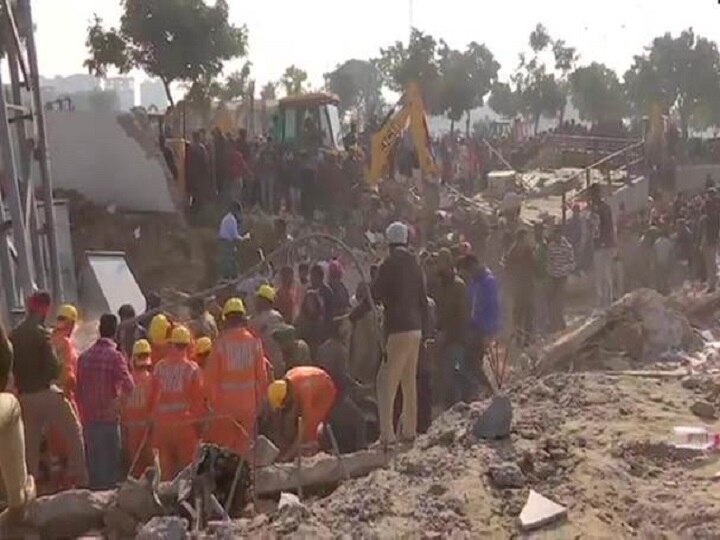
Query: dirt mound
x=160, y=248
x=594, y=443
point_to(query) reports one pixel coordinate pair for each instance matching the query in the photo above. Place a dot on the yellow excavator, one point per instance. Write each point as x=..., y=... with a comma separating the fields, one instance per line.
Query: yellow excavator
x=409, y=111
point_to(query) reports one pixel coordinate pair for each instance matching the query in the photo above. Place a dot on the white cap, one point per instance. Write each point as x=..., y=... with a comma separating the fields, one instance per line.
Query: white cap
x=397, y=233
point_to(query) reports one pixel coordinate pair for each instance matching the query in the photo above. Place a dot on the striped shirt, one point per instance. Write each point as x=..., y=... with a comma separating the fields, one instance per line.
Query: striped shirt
x=560, y=258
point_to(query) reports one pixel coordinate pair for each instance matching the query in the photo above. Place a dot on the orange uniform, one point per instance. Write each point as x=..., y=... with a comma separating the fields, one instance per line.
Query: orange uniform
x=315, y=393
x=176, y=400
x=236, y=380
x=67, y=354
x=134, y=420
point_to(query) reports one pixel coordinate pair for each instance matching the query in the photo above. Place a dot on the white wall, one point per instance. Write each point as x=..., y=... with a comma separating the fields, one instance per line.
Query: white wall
x=92, y=154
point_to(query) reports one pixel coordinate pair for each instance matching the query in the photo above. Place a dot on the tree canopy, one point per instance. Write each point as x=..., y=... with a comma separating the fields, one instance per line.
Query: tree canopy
x=294, y=80
x=597, y=94
x=358, y=84
x=679, y=74
x=174, y=40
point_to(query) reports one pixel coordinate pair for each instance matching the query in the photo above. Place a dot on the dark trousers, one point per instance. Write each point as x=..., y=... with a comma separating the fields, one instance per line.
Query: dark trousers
x=556, y=302
x=102, y=443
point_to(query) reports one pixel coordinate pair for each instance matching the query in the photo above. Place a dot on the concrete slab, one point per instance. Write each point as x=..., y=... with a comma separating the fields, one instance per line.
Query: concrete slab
x=107, y=283
x=539, y=511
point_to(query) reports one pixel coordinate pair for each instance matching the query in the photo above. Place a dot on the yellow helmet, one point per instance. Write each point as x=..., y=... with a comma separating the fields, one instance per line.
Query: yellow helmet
x=159, y=326
x=180, y=336
x=68, y=311
x=233, y=305
x=277, y=392
x=203, y=345
x=141, y=346
x=266, y=292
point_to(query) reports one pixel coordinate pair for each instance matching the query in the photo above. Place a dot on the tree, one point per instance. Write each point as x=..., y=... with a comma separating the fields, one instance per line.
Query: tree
x=358, y=84
x=504, y=100
x=540, y=94
x=174, y=40
x=418, y=61
x=293, y=80
x=268, y=91
x=465, y=79
x=597, y=94
x=679, y=75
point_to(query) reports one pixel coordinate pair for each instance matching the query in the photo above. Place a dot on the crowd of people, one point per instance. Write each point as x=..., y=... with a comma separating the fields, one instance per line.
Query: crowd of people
x=305, y=363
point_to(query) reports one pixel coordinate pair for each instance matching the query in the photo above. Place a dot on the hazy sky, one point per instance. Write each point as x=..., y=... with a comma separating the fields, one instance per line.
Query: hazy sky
x=318, y=34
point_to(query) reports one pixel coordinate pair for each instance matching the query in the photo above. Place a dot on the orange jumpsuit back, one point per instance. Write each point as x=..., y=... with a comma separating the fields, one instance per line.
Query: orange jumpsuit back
x=236, y=381
x=67, y=354
x=134, y=420
x=315, y=393
x=176, y=401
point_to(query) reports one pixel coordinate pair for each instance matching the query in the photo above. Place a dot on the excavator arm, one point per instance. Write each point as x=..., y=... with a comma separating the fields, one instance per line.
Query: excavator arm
x=411, y=112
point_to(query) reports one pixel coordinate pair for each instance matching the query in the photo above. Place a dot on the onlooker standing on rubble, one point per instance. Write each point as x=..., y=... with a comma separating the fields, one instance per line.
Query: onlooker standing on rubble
x=560, y=264
x=286, y=295
x=202, y=323
x=664, y=257
x=453, y=318
x=268, y=172
x=19, y=485
x=520, y=268
x=710, y=229
x=340, y=304
x=128, y=332
x=229, y=235
x=603, y=247
x=400, y=287
x=198, y=178
x=35, y=368
x=317, y=283
x=103, y=376
x=484, y=300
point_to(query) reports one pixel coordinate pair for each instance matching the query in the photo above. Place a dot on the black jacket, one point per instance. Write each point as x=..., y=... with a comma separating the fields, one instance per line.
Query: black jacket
x=400, y=287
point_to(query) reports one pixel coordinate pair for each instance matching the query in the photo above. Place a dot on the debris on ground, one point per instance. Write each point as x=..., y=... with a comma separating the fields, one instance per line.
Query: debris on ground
x=539, y=511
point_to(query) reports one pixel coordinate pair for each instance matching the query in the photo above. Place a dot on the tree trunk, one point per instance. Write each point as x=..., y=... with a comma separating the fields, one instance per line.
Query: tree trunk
x=561, y=117
x=536, y=122
x=467, y=124
x=452, y=127
x=166, y=85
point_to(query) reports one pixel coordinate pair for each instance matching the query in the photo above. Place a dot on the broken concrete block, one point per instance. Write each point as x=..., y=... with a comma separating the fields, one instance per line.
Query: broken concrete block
x=164, y=528
x=539, y=511
x=703, y=409
x=120, y=522
x=506, y=475
x=71, y=513
x=495, y=422
x=136, y=498
x=265, y=452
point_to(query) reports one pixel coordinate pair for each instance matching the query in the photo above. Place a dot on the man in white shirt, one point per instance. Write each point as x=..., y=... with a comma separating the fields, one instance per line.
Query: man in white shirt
x=229, y=235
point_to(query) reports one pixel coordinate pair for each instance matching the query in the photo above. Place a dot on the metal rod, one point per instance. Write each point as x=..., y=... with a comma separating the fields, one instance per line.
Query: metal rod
x=16, y=43
x=43, y=157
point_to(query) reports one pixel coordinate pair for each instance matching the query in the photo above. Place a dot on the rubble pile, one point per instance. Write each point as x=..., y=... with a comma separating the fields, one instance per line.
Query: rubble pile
x=642, y=328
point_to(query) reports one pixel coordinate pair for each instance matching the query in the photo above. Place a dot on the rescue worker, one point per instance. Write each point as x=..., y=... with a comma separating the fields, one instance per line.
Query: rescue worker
x=203, y=347
x=175, y=404
x=304, y=399
x=158, y=334
x=62, y=343
x=236, y=380
x=264, y=323
x=134, y=409
x=295, y=352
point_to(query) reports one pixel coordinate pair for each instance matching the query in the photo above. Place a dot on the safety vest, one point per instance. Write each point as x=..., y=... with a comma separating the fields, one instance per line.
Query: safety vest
x=236, y=367
x=66, y=353
x=134, y=410
x=176, y=389
x=307, y=382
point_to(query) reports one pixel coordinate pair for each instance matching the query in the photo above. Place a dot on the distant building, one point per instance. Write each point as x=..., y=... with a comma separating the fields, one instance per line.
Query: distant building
x=152, y=92
x=57, y=87
x=124, y=87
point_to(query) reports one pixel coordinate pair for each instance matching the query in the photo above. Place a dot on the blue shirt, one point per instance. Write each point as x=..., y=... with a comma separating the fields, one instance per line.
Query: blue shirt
x=229, y=228
x=484, y=303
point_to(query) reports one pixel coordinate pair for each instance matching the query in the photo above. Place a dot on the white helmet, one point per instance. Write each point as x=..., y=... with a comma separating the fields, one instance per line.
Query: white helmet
x=397, y=233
